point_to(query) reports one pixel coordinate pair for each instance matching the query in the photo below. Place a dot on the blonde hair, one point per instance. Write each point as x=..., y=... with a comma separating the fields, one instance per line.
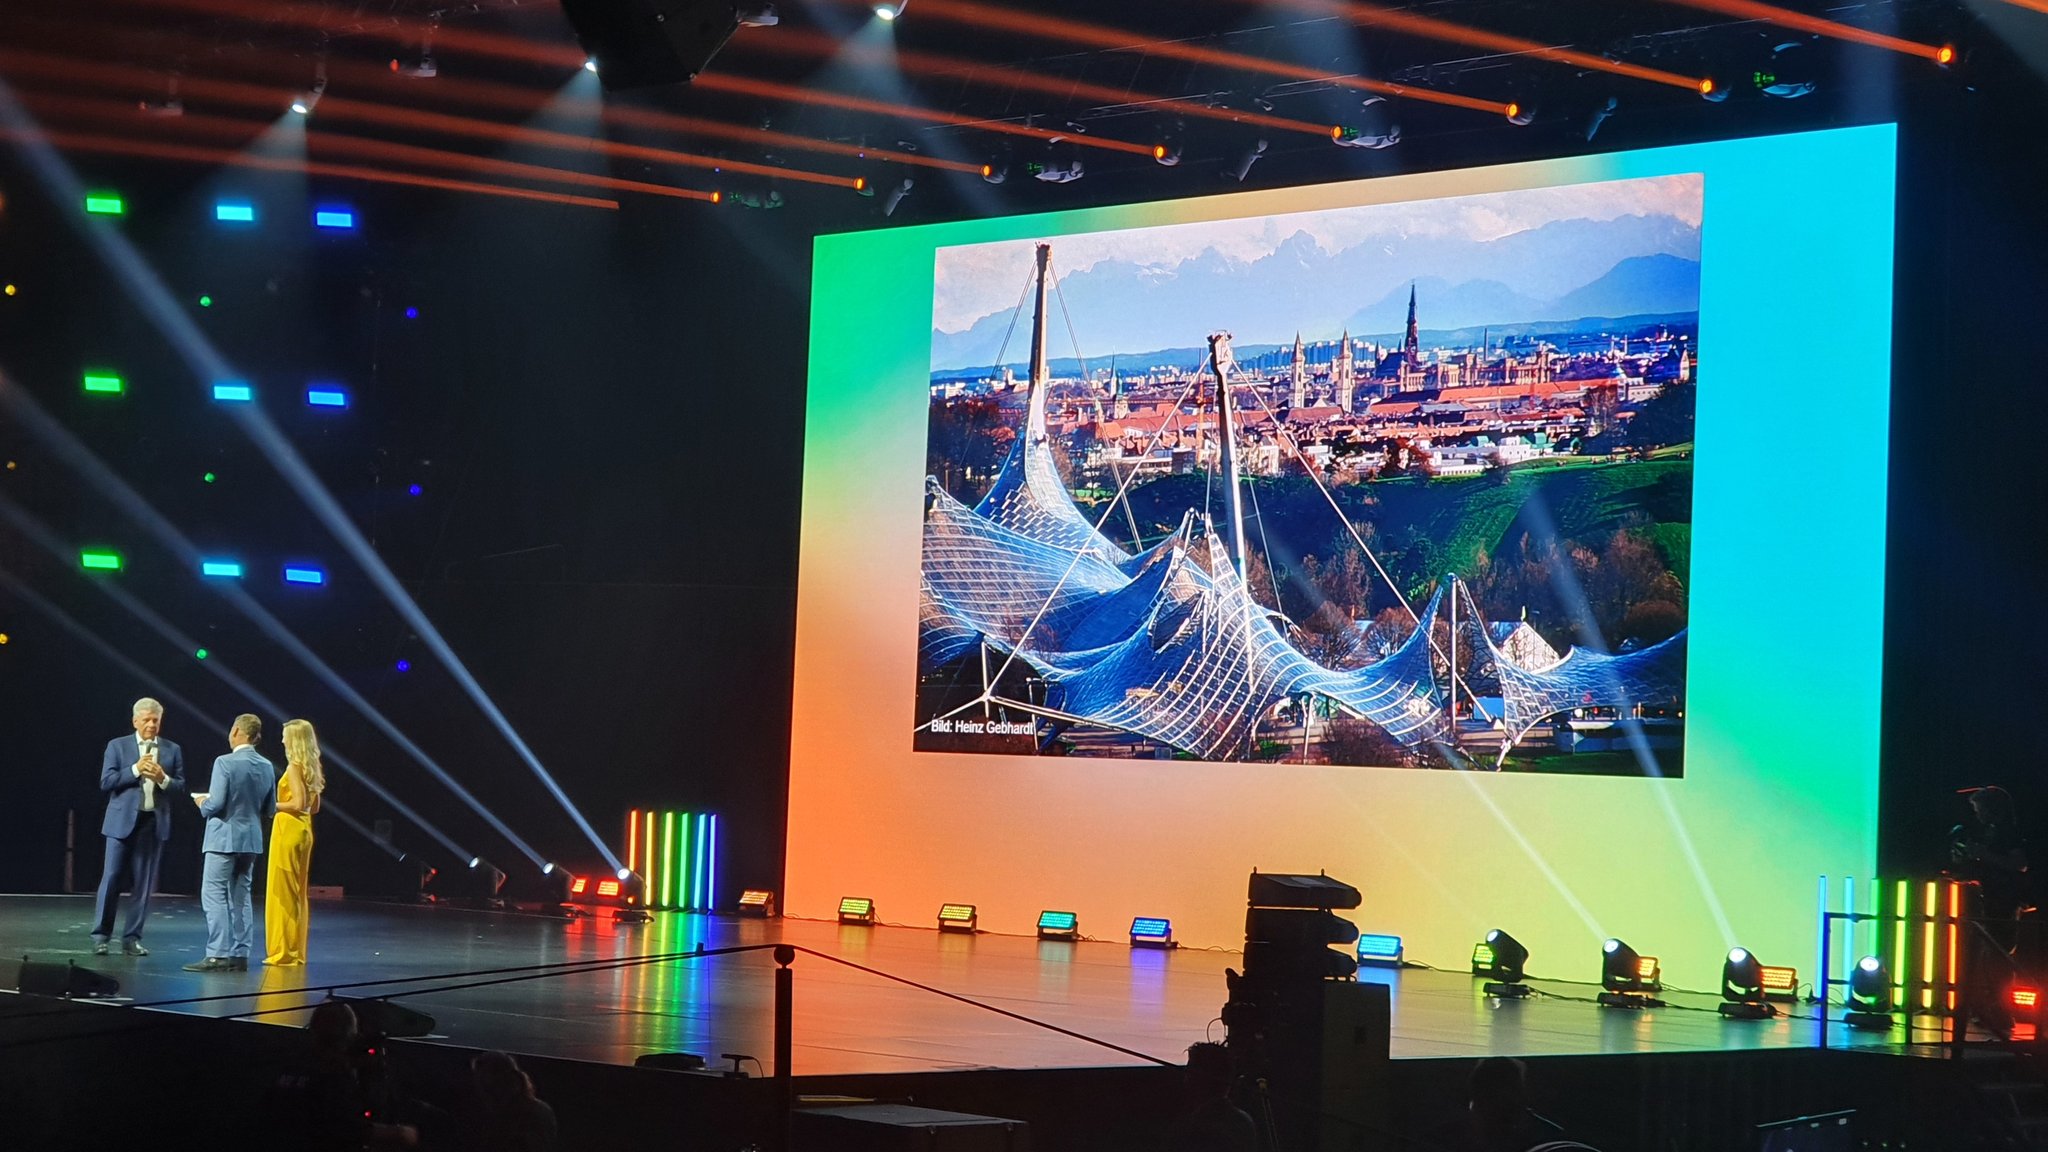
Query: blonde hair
x=302, y=747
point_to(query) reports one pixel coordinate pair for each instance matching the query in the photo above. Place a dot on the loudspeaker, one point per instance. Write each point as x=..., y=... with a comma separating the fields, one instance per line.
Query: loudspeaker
x=41, y=978
x=382, y=1018
x=671, y=1061
x=642, y=43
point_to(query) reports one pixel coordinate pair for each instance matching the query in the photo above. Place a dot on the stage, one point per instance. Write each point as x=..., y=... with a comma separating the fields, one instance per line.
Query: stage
x=847, y=1022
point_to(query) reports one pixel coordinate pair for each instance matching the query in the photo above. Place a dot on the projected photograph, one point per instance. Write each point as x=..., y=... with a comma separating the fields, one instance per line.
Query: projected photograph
x=1395, y=485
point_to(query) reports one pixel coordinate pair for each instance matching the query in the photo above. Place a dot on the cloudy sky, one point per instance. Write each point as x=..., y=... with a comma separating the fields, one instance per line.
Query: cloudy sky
x=977, y=280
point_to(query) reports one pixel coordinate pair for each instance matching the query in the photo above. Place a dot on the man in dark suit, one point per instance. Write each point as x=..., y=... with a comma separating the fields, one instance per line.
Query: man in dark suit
x=240, y=801
x=138, y=773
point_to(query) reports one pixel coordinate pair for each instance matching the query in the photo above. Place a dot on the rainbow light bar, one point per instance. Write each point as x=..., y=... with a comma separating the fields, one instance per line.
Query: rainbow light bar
x=856, y=910
x=1058, y=925
x=1151, y=932
x=1384, y=950
x=957, y=918
x=233, y=390
x=227, y=568
x=105, y=382
x=100, y=561
x=234, y=213
x=677, y=854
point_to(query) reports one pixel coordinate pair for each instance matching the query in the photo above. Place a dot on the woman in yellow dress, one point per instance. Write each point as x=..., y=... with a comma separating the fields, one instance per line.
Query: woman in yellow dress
x=291, y=846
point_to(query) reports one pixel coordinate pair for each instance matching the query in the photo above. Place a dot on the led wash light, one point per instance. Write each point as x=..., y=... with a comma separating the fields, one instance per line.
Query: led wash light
x=231, y=213
x=1379, y=950
x=856, y=910
x=337, y=218
x=300, y=575
x=1058, y=926
x=1152, y=932
x=326, y=397
x=97, y=561
x=105, y=383
x=104, y=204
x=957, y=918
x=758, y=903
x=233, y=391
x=226, y=569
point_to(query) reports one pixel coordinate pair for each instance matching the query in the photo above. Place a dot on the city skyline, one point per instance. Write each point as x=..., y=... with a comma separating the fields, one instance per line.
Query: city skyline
x=1608, y=249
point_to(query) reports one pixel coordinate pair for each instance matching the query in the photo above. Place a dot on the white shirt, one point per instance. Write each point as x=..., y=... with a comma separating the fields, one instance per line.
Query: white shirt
x=143, y=749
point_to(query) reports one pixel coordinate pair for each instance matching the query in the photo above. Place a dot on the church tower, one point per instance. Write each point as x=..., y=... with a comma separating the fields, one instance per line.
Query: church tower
x=1344, y=376
x=1300, y=378
x=1412, y=346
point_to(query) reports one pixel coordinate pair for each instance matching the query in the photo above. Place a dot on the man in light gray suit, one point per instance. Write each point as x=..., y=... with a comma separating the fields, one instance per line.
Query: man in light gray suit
x=242, y=800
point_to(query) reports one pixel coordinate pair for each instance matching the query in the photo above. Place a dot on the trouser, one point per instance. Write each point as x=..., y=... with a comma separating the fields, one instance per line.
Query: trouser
x=138, y=854
x=224, y=892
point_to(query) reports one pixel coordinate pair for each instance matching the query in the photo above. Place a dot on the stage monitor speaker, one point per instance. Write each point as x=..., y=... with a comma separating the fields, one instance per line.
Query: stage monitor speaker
x=392, y=1021
x=1288, y=890
x=644, y=43
x=903, y=1128
x=671, y=1061
x=42, y=978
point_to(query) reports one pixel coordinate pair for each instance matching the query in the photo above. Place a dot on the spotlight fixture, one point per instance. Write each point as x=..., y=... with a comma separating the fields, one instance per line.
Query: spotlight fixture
x=1244, y=164
x=1058, y=926
x=1166, y=153
x=1063, y=170
x=1504, y=959
x=1600, y=114
x=1786, y=75
x=758, y=903
x=1521, y=113
x=995, y=169
x=1152, y=932
x=957, y=918
x=1379, y=950
x=1375, y=128
x=310, y=99
x=1742, y=987
x=1870, y=996
x=891, y=9
x=1629, y=977
x=856, y=910
x=422, y=66
x=590, y=64
x=756, y=15
x=896, y=195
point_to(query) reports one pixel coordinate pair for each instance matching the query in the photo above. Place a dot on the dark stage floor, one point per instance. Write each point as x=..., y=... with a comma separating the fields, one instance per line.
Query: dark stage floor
x=846, y=1021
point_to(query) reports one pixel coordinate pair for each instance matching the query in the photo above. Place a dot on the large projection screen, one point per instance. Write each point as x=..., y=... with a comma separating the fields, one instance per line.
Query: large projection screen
x=1757, y=271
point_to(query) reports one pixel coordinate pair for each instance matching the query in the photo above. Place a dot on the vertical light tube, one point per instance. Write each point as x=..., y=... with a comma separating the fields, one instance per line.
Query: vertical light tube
x=668, y=853
x=1851, y=924
x=1927, y=949
x=711, y=866
x=1820, y=938
x=1899, y=944
x=680, y=851
x=1955, y=911
x=633, y=842
x=697, y=865
x=653, y=861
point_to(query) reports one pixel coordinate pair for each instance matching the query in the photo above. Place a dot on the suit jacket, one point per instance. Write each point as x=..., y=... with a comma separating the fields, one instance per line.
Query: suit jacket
x=241, y=801
x=124, y=788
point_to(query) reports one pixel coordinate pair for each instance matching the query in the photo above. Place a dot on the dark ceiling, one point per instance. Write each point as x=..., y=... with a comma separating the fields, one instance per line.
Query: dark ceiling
x=953, y=85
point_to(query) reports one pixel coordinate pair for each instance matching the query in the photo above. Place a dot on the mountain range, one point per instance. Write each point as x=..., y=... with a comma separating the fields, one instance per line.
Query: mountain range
x=1564, y=270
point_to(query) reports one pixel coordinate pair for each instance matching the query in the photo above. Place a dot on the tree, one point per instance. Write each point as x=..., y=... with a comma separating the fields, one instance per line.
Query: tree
x=966, y=442
x=1666, y=418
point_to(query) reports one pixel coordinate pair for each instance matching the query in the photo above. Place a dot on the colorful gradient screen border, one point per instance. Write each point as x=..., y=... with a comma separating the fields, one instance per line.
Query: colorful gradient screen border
x=1784, y=665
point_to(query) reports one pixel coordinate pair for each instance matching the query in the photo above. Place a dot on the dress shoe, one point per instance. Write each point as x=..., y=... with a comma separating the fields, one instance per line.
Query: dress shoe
x=99, y=947
x=133, y=948
x=238, y=963
x=212, y=964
